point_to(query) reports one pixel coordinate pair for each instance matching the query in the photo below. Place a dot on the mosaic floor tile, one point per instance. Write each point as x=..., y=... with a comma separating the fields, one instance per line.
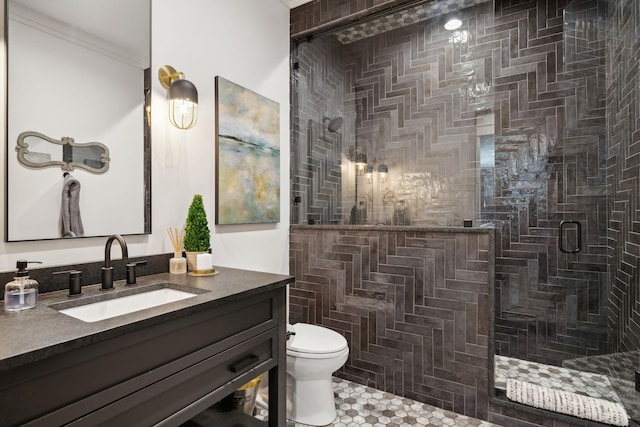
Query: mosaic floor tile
x=360, y=406
x=579, y=382
x=620, y=369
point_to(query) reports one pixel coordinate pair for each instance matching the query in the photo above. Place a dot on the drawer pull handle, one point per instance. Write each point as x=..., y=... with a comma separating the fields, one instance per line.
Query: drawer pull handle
x=244, y=363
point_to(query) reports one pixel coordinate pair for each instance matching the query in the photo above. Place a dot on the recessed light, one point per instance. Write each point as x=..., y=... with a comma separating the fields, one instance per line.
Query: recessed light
x=453, y=24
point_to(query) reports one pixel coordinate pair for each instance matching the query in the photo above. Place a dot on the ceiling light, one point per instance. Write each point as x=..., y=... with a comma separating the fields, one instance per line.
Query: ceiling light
x=453, y=24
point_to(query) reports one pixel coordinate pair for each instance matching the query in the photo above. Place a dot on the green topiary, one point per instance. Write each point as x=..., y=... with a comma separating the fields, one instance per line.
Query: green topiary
x=197, y=235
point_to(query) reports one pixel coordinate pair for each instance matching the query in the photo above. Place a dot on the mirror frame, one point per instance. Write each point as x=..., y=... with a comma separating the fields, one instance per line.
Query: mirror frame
x=23, y=149
x=145, y=116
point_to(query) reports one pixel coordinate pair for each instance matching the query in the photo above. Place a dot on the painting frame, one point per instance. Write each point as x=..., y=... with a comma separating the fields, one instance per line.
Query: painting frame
x=247, y=156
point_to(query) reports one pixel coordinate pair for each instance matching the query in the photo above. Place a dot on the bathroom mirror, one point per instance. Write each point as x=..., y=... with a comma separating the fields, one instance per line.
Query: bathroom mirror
x=80, y=70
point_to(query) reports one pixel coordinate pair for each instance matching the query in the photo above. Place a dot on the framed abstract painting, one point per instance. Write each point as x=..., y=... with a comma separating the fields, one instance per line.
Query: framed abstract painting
x=247, y=156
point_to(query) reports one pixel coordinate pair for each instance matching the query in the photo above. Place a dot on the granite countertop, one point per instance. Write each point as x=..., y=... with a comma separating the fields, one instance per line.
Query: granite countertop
x=31, y=335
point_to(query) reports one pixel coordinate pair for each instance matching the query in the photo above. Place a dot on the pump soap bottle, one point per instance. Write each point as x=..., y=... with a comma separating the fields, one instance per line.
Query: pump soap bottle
x=22, y=292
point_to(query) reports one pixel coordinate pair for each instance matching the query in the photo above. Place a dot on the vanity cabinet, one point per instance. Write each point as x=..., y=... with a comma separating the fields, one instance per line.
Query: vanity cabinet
x=164, y=373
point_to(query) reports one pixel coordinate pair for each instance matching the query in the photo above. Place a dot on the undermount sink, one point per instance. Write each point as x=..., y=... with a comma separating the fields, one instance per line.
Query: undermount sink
x=101, y=310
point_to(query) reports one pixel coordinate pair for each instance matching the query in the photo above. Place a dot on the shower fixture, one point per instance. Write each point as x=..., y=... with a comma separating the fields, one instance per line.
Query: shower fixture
x=333, y=126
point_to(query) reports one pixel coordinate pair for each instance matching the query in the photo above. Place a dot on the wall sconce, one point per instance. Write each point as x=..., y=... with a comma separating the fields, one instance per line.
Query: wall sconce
x=369, y=174
x=360, y=163
x=183, y=97
x=383, y=173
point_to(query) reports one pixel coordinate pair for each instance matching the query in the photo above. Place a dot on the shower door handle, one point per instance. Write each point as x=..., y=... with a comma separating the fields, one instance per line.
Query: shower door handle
x=578, y=240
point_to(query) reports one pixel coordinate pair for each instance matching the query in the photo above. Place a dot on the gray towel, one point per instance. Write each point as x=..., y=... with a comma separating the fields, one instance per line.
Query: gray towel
x=70, y=208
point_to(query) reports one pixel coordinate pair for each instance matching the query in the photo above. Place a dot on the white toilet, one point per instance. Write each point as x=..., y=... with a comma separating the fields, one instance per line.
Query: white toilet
x=313, y=354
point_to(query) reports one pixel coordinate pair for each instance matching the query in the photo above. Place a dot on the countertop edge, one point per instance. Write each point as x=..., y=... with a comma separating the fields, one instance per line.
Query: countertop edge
x=216, y=292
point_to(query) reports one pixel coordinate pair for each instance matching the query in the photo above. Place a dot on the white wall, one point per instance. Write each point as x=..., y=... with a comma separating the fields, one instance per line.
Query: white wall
x=244, y=41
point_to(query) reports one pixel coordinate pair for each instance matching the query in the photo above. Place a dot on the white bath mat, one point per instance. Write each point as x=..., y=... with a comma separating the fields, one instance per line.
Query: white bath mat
x=565, y=402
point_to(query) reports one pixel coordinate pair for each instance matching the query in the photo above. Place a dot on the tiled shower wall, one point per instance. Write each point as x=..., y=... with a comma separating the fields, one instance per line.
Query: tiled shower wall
x=550, y=167
x=623, y=172
x=415, y=309
x=316, y=15
x=552, y=89
x=413, y=305
x=411, y=87
x=623, y=198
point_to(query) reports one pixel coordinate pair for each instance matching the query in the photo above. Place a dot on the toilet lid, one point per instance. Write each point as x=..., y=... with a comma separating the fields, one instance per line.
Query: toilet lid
x=315, y=339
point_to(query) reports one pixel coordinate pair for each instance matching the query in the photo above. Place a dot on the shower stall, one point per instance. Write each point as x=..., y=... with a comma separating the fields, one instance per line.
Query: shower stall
x=517, y=116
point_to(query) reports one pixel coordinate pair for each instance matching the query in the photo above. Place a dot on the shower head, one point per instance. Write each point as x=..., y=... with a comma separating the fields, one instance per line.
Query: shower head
x=335, y=124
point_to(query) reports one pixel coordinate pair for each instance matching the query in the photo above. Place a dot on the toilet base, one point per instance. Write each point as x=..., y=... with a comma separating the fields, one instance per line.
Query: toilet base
x=318, y=411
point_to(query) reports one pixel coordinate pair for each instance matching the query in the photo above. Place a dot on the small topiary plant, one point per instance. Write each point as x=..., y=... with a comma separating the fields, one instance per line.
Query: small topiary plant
x=197, y=236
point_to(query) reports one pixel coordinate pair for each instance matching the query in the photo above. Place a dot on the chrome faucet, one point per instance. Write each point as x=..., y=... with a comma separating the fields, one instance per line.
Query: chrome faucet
x=107, y=270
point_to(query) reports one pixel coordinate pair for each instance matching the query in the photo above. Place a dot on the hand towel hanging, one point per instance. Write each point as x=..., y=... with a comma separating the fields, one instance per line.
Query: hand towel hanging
x=70, y=208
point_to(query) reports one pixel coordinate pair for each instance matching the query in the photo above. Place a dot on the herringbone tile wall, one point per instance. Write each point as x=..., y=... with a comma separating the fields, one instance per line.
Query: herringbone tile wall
x=550, y=166
x=415, y=97
x=414, y=307
x=623, y=125
x=319, y=13
x=564, y=85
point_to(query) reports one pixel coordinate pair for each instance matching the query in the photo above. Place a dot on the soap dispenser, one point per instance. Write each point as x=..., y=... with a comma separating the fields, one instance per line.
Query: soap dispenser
x=22, y=292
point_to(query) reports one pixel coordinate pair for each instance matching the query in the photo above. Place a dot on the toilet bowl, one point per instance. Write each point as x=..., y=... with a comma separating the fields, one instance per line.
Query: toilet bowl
x=313, y=354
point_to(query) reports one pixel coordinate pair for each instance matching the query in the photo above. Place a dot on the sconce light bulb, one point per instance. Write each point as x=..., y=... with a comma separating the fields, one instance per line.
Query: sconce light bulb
x=183, y=114
x=360, y=164
x=383, y=173
x=369, y=174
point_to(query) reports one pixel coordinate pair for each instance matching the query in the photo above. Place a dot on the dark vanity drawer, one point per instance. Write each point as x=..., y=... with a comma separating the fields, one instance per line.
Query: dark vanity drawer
x=186, y=393
x=64, y=388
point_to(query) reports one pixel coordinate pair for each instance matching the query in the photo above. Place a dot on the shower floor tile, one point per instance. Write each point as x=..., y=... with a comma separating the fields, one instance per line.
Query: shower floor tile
x=361, y=406
x=579, y=382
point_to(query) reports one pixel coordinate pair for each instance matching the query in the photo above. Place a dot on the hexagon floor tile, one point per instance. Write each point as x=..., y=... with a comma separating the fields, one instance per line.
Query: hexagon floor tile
x=555, y=377
x=361, y=406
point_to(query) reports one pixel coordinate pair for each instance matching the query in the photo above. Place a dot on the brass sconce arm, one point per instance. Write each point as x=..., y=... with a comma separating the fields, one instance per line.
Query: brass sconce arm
x=167, y=74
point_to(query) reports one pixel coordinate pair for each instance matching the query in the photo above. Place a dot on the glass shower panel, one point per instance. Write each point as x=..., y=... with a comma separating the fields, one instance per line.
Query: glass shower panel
x=403, y=96
x=582, y=142
x=319, y=127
